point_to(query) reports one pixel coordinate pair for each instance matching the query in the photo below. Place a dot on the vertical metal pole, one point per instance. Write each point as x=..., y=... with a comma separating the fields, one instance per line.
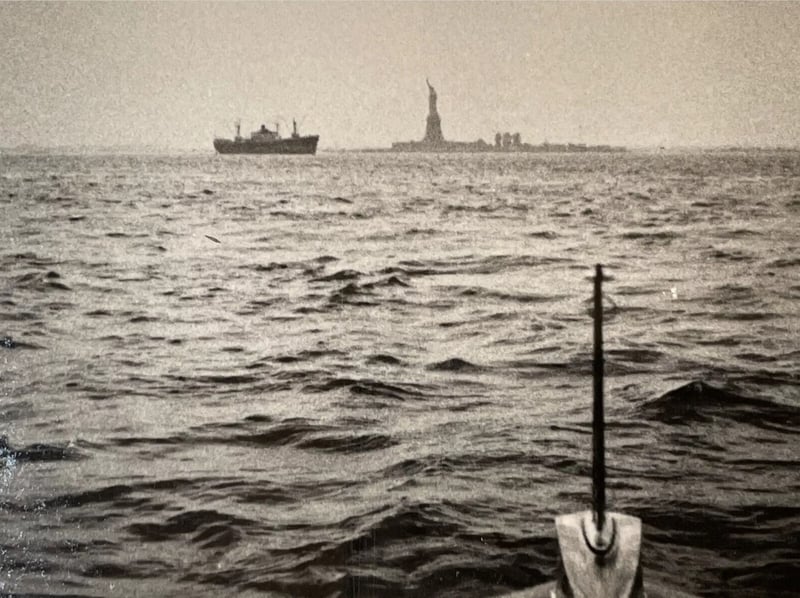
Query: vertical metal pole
x=598, y=425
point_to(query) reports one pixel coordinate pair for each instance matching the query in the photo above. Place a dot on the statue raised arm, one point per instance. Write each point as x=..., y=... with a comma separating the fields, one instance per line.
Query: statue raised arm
x=431, y=97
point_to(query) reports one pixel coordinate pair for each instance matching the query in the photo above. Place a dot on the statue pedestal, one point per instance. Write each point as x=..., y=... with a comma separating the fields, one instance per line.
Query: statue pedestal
x=433, y=129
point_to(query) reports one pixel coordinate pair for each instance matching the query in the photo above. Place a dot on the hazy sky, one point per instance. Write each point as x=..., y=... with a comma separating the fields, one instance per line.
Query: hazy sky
x=176, y=74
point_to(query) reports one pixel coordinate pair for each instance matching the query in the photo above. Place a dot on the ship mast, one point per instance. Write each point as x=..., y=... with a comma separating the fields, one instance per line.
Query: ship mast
x=598, y=423
x=600, y=550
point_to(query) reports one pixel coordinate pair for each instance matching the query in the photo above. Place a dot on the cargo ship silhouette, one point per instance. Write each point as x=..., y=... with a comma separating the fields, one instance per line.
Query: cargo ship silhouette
x=264, y=141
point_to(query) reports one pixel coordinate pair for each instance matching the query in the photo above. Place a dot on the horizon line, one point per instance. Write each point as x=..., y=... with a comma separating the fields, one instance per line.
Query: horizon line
x=127, y=147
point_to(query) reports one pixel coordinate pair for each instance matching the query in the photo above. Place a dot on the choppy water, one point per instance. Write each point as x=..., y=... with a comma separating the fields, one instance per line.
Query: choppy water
x=369, y=374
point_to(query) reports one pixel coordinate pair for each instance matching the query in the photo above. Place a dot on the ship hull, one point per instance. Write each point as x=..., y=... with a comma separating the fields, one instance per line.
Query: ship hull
x=292, y=145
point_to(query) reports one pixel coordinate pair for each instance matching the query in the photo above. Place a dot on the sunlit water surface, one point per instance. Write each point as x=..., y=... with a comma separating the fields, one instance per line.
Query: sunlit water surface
x=369, y=374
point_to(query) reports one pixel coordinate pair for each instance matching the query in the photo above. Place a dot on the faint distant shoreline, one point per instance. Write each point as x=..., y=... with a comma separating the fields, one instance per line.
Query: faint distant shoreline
x=96, y=150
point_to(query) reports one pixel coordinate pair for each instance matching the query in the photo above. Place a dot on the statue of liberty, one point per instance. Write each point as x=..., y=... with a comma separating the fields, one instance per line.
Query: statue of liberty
x=433, y=129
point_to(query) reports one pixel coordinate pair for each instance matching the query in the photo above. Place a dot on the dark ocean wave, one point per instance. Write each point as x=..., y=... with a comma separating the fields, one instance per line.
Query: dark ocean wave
x=479, y=292
x=397, y=391
x=456, y=364
x=700, y=402
x=297, y=432
x=36, y=452
x=10, y=343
